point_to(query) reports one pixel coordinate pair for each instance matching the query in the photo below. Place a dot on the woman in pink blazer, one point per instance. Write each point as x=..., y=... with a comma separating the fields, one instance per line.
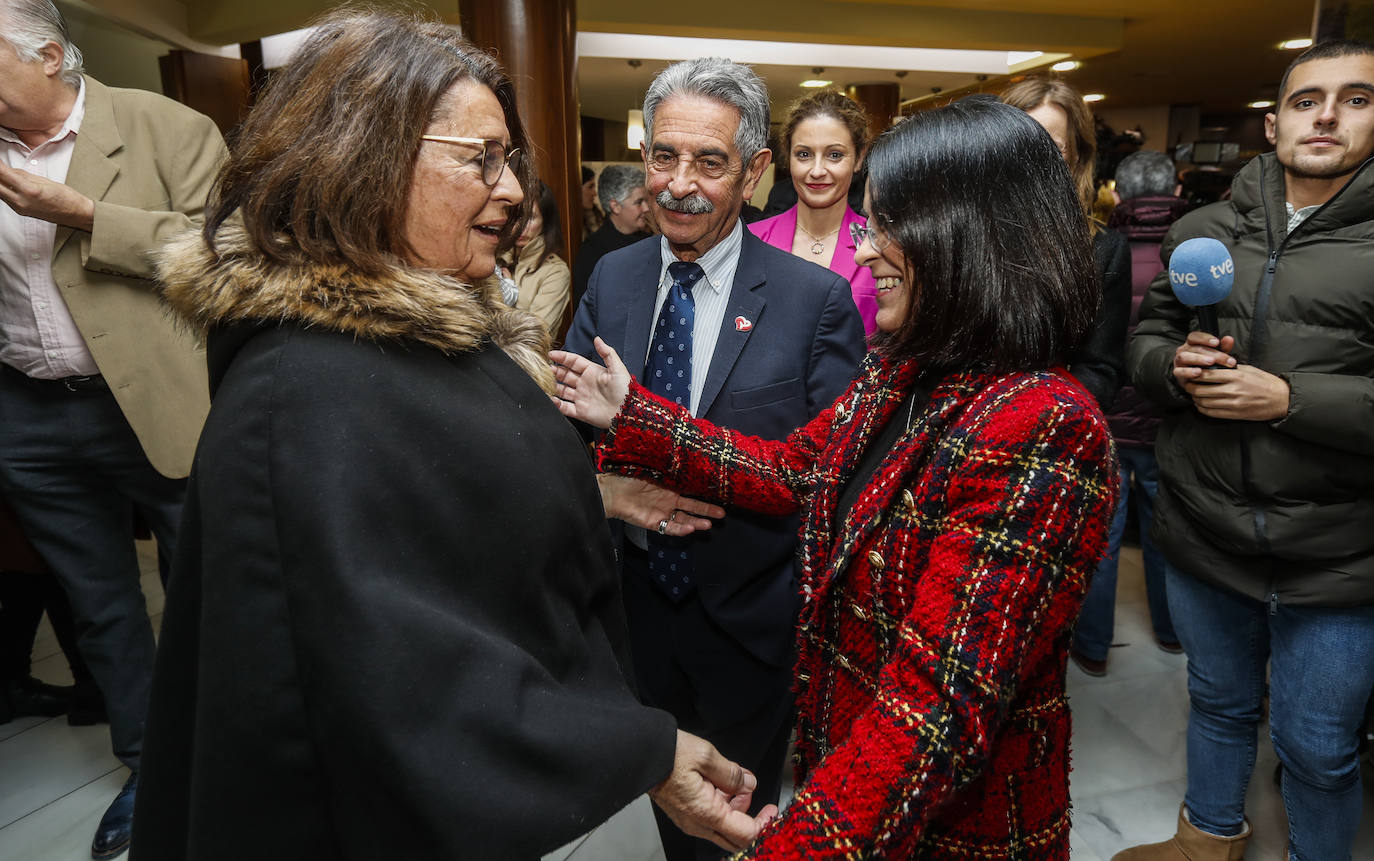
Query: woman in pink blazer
x=825, y=139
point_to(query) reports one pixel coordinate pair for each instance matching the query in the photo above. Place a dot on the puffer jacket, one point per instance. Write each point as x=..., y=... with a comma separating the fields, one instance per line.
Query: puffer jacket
x=1280, y=511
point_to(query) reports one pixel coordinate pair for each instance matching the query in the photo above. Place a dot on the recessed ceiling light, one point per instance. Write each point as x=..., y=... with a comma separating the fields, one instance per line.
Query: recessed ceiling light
x=1094, y=97
x=1262, y=103
x=1295, y=44
x=816, y=83
x=1066, y=66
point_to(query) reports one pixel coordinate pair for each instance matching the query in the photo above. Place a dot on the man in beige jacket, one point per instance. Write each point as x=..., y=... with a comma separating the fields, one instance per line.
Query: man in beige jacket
x=101, y=396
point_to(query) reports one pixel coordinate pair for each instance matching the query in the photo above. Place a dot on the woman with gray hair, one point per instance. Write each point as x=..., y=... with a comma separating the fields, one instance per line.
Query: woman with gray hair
x=393, y=628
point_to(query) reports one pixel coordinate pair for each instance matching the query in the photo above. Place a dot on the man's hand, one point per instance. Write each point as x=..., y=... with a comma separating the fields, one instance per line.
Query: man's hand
x=1201, y=351
x=646, y=504
x=1243, y=393
x=708, y=796
x=39, y=197
x=587, y=391
x=1222, y=388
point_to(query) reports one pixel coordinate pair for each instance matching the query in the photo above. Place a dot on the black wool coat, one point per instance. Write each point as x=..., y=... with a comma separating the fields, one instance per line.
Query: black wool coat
x=393, y=629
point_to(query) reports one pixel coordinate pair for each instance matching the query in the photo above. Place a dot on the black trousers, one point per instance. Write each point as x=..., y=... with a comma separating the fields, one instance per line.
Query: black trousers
x=24, y=597
x=27, y=590
x=688, y=666
x=74, y=472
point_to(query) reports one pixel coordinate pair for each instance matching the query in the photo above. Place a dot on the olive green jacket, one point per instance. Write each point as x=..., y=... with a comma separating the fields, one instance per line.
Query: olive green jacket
x=1281, y=511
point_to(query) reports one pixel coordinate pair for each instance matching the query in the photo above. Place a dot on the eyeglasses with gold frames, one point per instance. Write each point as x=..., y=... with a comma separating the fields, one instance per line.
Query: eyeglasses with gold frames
x=492, y=161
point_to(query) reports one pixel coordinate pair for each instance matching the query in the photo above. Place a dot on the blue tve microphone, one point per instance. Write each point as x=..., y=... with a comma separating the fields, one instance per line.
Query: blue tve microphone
x=1202, y=272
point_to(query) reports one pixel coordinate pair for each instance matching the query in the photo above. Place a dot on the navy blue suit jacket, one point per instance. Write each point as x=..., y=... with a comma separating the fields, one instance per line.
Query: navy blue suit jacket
x=801, y=353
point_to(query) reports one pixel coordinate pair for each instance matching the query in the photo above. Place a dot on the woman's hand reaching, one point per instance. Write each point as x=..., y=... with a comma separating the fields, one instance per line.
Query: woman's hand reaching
x=652, y=507
x=586, y=391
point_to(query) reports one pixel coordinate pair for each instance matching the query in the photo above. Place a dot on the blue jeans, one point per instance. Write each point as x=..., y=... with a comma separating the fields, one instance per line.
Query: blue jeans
x=1093, y=637
x=1321, y=672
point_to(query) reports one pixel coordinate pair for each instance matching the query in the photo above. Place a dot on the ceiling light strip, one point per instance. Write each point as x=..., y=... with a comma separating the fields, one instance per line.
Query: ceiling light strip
x=627, y=45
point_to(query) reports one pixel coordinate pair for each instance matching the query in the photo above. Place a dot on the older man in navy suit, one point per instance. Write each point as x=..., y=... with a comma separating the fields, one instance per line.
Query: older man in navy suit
x=750, y=338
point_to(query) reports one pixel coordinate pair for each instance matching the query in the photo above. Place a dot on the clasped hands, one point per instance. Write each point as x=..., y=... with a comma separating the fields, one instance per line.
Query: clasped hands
x=708, y=796
x=39, y=197
x=1229, y=390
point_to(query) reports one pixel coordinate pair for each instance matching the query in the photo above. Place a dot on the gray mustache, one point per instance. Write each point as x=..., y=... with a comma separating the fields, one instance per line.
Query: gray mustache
x=692, y=204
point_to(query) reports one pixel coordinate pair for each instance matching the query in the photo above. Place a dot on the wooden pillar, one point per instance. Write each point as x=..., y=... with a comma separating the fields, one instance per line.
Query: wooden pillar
x=882, y=101
x=218, y=87
x=535, y=40
x=251, y=52
x=1342, y=19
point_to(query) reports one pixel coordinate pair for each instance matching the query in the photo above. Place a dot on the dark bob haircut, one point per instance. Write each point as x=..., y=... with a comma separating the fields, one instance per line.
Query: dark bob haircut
x=999, y=267
x=322, y=167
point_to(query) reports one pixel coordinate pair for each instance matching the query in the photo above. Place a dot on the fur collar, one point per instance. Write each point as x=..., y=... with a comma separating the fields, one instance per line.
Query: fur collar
x=239, y=285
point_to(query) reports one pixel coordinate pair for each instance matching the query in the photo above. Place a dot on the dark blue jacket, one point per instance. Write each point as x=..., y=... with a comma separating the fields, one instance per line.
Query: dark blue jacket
x=804, y=345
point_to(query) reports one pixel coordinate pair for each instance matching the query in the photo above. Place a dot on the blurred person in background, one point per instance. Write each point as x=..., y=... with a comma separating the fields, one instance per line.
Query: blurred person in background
x=1147, y=187
x=627, y=221
x=825, y=138
x=592, y=216
x=1099, y=362
x=538, y=281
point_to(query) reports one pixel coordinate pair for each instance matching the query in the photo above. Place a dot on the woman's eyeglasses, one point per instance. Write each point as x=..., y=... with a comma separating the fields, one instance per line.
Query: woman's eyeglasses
x=875, y=236
x=493, y=159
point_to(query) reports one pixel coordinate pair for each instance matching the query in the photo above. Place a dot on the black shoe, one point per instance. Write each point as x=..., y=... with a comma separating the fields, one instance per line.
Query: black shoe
x=87, y=705
x=1091, y=666
x=1173, y=647
x=28, y=697
x=117, y=825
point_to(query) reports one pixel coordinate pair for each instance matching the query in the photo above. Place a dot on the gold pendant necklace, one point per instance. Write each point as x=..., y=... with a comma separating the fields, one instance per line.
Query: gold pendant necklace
x=817, y=242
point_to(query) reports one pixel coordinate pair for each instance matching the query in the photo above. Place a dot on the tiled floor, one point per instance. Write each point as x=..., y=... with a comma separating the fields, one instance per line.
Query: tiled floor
x=1128, y=777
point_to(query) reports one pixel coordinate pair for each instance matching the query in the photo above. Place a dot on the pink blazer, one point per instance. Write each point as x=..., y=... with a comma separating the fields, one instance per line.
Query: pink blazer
x=779, y=232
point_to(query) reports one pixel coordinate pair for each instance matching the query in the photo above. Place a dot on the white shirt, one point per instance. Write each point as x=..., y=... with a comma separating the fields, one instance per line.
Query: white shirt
x=37, y=333
x=710, y=297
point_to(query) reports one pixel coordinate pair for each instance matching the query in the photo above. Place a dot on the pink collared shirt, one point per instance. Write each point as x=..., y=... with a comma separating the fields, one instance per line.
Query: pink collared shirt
x=37, y=333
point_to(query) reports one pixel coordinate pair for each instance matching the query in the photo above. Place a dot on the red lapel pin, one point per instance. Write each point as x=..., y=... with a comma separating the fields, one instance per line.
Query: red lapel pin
x=742, y=324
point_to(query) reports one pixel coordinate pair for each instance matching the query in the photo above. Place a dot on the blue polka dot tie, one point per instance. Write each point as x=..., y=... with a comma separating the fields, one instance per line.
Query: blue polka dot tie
x=668, y=373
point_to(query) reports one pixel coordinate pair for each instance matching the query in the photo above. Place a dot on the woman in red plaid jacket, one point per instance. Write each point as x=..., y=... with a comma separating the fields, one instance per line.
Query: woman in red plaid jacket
x=955, y=502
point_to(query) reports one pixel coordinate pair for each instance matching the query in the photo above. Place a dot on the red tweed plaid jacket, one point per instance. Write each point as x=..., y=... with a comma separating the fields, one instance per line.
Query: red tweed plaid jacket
x=932, y=719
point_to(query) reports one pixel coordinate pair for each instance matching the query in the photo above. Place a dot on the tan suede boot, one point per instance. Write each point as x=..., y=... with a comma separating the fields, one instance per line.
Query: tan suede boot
x=1190, y=844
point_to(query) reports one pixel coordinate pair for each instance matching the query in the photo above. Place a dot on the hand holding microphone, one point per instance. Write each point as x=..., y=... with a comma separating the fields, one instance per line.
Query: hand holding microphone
x=1201, y=273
